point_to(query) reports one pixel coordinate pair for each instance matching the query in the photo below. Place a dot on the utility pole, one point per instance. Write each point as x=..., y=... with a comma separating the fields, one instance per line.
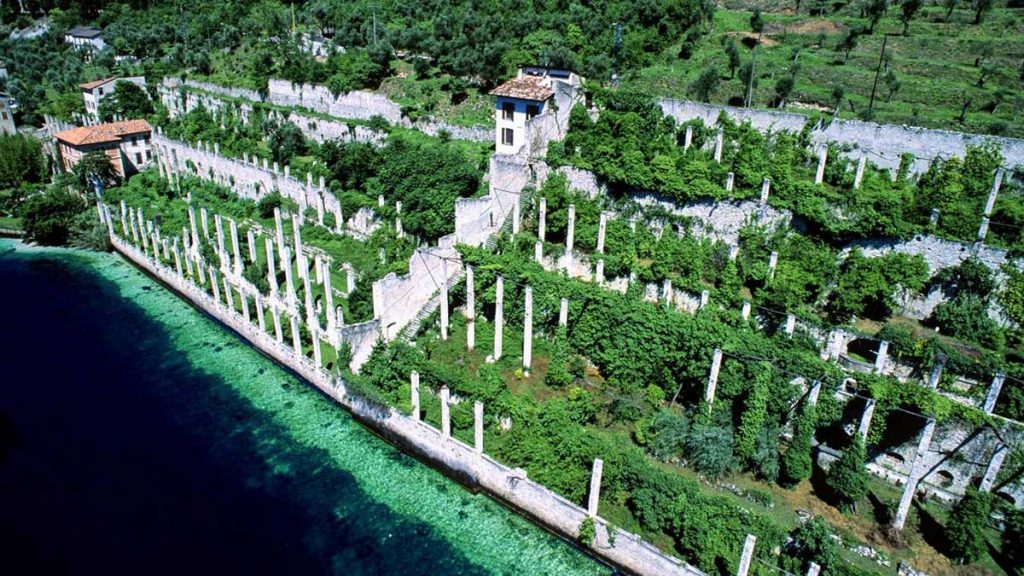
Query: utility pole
x=878, y=70
x=750, y=81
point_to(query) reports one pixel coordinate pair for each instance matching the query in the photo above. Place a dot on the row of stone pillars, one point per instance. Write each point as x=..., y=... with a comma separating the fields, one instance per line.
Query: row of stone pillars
x=446, y=422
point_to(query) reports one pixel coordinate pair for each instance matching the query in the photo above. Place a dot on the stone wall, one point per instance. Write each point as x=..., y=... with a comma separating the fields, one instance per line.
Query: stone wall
x=882, y=144
x=446, y=453
x=397, y=300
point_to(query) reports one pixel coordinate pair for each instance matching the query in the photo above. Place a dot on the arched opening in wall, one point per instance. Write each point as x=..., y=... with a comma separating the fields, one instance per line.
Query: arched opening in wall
x=837, y=435
x=944, y=479
x=863, y=350
x=1008, y=497
x=895, y=460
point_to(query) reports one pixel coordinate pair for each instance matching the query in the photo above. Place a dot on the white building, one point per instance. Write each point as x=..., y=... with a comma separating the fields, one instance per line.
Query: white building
x=127, y=144
x=94, y=92
x=532, y=109
x=88, y=39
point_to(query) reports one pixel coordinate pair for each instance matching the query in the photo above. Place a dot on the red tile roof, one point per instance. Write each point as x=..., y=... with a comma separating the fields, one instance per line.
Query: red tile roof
x=525, y=88
x=97, y=83
x=103, y=133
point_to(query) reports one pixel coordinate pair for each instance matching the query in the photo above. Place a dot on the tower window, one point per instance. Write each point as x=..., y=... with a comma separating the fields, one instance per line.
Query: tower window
x=508, y=110
x=532, y=111
x=507, y=136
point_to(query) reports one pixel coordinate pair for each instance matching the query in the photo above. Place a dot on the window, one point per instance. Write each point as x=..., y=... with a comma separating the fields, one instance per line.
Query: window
x=507, y=136
x=149, y=155
x=532, y=110
x=4, y=115
x=138, y=157
x=101, y=91
x=508, y=110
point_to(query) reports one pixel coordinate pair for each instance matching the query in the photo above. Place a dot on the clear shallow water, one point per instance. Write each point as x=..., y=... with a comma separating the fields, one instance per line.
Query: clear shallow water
x=138, y=436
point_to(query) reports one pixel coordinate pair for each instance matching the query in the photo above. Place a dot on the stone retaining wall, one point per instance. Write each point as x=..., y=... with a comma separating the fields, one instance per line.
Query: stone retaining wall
x=882, y=144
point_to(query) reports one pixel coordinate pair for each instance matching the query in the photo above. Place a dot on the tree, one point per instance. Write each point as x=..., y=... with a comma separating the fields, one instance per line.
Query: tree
x=783, y=88
x=21, y=161
x=732, y=50
x=848, y=477
x=92, y=168
x=848, y=42
x=706, y=84
x=1013, y=537
x=950, y=5
x=838, y=93
x=980, y=7
x=966, y=524
x=908, y=9
x=812, y=542
x=875, y=10
x=128, y=101
x=797, y=464
x=892, y=84
x=757, y=20
x=47, y=217
x=755, y=412
x=558, y=376
x=286, y=141
x=709, y=449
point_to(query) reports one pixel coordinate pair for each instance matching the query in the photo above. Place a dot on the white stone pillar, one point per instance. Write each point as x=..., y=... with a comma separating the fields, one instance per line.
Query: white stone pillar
x=499, y=313
x=734, y=251
x=444, y=300
x=339, y=220
x=881, y=356
x=819, y=176
x=235, y=248
x=666, y=292
x=272, y=266
x=250, y=239
x=716, y=366
x=470, y=309
x=279, y=233
x=414, y=388
x=936, y=374
x=528, y=330
x=307, y=287
x=563, y=312
x=286, y=260
x=350, y=278
x=446, y=416
x=538, y=252
x=790, y=325
x=599, y=273
x=917, y=469
x=814, y=393
x=595, y=487
x=228, y=298
x=204, y=218
x=730, y=181
x=865, y=420
x=688, y=139
x=766, y=186
x=992, y=470
x=542, y=220
x=260, y=316
x=745, y=311
x=993, y=392
x=859, y=176
x=773, y=262
x=296, y=336
x=332, y=320
x=813, y=570
x=215, y=284
x=177, y=258
x=245, y=304
x=990, y=204
x=933, y=220
x=719, y=141
x=278, y=328
x=192, y=224
x=318, y=269
x=318, y=359
x=602, y=228
x=478, y=426
x=297, y=230
x=221, y=250
x=983, y=229
x=571, y=229
x=747, y=556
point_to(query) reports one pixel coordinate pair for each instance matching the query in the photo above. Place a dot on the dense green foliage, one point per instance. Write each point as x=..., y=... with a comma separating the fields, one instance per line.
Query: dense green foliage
x=848, y=478
x=48, y=217
x=966, y=523
x=127, y=102
x=1013, y=538
x=21, y=161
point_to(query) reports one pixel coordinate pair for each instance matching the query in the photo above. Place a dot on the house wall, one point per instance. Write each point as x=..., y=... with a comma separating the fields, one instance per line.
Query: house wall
x=517, y=123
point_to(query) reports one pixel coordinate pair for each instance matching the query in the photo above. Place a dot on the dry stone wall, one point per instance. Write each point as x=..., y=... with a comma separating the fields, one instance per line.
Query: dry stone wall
x=882, y=144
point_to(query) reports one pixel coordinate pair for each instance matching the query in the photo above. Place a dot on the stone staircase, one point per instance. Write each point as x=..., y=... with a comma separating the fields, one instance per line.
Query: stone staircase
x=408, y=334
x=525, y=201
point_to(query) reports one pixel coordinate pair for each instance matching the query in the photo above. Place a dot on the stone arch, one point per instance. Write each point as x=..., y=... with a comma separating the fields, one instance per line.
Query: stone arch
x=896, y=458
x=861, y=348
x=944, y=479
